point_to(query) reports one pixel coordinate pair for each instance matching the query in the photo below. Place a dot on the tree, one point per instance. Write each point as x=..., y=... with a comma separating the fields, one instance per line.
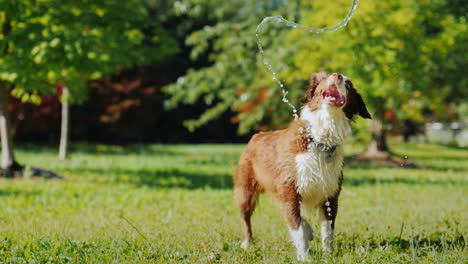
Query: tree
x=391, y=50
x=8, y=157
x=53, y=41
x=236, y=75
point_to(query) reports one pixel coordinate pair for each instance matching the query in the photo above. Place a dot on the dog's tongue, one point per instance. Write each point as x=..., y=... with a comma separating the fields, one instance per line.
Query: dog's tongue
x=340, y=100
x=333, y=95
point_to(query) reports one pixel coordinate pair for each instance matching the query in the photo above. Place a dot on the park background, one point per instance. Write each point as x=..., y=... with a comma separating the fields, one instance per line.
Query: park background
x=151, y=102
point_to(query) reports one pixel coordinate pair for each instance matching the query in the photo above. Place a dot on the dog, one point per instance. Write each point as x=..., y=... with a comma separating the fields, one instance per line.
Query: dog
x=301, y=166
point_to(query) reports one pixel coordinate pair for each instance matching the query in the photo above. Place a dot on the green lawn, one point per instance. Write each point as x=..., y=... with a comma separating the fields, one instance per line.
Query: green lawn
x=173, y=204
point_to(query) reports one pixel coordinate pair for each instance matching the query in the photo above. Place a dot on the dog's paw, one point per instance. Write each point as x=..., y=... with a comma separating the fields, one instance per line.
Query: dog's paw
x=303, y=257
x=245, y=243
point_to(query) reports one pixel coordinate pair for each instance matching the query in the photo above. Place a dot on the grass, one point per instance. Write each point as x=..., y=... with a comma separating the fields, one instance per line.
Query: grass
x=173, y=204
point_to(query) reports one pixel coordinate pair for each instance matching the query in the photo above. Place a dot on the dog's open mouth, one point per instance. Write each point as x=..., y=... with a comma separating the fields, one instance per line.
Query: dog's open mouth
x=333, y=96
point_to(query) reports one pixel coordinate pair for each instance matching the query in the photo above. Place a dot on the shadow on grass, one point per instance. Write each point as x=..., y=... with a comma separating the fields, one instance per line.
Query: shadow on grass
x=110, y=150
x=441, y=166
x=23, y=193
x=352, y=162
x=194, y=175
x=104, y=149
x=361, y=181
x=177, y=178
x=451, y=146
x=161, y=178
x=417, y=242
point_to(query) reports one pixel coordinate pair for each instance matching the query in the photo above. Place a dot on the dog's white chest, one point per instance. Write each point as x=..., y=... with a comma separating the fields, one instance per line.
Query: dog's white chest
x=318, y=176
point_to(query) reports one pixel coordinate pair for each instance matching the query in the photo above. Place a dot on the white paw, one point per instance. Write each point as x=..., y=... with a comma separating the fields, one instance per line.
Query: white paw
x=327, y=249
x=303, y=256
x=245, y=243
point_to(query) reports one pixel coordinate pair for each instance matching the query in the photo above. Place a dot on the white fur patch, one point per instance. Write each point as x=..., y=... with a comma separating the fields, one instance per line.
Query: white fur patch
x=299, y=237
x=327, y=236
x=317, y=175
x=329, y=124
x=317, y=179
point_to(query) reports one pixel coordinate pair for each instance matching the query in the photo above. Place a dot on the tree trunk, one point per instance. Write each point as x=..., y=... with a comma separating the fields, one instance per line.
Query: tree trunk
x=8, y=158
x=378, y=151
x=63, y=148
x=378, y=142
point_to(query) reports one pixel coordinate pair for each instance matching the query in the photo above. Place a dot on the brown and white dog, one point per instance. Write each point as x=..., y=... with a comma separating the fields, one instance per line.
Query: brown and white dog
x=301, y=166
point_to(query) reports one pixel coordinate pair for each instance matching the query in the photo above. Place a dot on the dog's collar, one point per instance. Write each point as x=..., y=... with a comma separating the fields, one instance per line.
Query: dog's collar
x=323, y=147
x=320, y=146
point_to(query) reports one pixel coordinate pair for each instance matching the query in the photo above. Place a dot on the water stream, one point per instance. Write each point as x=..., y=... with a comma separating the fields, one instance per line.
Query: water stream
x=280, y=19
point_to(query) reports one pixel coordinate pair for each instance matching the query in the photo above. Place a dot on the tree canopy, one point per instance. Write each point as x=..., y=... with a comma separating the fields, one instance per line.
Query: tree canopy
x=400, y=54
x=48, y=41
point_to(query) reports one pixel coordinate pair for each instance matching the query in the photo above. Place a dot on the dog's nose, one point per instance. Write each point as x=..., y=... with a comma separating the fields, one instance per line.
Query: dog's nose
x=338, y=76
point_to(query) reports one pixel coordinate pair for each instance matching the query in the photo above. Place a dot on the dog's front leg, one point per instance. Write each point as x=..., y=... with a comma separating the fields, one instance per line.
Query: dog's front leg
x=290, y=209
x=328, y=212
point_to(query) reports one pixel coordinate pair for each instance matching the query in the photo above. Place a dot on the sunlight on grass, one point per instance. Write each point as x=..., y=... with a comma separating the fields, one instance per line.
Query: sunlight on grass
x=173, y=204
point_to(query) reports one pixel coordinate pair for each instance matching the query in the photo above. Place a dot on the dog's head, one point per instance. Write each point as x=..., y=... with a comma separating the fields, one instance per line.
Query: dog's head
x=335, y=90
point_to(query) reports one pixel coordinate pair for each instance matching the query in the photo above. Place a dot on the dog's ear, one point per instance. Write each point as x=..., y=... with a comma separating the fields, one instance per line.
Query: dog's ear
x=355, y=105
x=316, y=78
x=314, y=81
